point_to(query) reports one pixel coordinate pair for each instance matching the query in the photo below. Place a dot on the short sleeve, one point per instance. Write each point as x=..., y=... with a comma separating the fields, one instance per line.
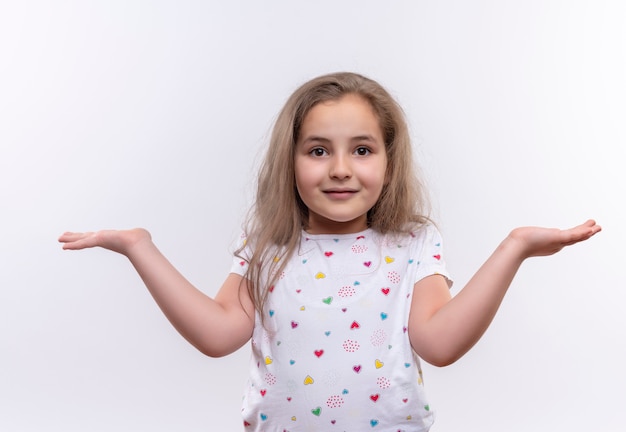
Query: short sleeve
x=430, y=254
x=241, y=256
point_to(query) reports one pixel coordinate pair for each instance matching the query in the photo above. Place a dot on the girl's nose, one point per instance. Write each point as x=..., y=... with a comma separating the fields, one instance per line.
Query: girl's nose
x=340, y=167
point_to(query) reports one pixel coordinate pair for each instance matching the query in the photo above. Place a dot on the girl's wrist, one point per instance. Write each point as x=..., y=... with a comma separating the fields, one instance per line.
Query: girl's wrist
x=515, y=246
x=138, y=240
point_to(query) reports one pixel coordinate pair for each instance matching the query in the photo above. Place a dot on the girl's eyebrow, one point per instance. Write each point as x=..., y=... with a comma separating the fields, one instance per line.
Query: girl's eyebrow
x=364, y=138
x=317, y=138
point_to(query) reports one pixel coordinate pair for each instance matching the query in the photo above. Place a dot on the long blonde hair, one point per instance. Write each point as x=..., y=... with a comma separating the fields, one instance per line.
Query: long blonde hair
x=278, y=216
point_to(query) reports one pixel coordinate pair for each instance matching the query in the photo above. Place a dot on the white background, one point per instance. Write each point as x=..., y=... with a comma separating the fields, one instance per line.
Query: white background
x=116, y=114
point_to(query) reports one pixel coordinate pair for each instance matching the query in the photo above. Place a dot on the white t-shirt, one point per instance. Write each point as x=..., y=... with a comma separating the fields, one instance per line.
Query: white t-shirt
x=334, y=354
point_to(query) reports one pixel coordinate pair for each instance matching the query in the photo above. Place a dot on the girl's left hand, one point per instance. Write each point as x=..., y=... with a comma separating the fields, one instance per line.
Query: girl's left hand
x=536, y=241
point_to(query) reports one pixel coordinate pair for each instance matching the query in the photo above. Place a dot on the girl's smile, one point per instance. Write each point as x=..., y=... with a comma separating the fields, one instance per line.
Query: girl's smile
x=340, y=164
x=340, y=194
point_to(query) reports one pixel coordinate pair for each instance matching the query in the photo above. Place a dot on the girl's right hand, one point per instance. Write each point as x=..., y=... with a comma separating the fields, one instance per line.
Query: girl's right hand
x=120, y=241
x=215, y=326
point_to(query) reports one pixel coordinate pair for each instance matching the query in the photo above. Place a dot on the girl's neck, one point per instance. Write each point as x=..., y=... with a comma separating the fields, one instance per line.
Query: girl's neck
x=308, y=233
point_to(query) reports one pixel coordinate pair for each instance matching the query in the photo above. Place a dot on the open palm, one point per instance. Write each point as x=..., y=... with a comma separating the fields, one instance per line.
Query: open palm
x=537, y=241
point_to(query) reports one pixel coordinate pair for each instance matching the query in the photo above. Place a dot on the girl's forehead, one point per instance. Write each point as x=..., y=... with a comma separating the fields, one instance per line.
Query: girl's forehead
x=351, y=111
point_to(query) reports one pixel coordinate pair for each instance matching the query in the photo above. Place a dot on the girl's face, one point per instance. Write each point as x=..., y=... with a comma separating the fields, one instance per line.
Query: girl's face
x=340, y=165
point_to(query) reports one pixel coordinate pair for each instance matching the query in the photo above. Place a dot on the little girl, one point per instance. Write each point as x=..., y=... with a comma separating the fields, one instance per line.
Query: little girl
x=339, y=281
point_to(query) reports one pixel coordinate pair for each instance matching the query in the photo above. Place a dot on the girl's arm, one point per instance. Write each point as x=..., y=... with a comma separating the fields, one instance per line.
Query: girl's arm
x=216, y=327
x=442, y=329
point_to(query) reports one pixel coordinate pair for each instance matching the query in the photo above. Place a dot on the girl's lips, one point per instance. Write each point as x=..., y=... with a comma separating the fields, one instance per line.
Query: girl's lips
x=340, y=194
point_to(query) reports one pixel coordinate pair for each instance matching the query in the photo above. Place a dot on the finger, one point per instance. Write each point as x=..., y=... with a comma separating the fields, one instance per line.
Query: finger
x=73, y=236
x=581, y=232
x=593, y=225
x=74, y=240
x=79, y=244
x=588, y=222
x=591, y=228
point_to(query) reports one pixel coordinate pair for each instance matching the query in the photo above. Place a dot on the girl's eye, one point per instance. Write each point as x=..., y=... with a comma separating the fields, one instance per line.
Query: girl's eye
x=362, y=151
x=318, y=151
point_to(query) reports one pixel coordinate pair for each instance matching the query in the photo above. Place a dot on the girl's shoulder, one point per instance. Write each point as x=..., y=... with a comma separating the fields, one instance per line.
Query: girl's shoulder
x=415, y=235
